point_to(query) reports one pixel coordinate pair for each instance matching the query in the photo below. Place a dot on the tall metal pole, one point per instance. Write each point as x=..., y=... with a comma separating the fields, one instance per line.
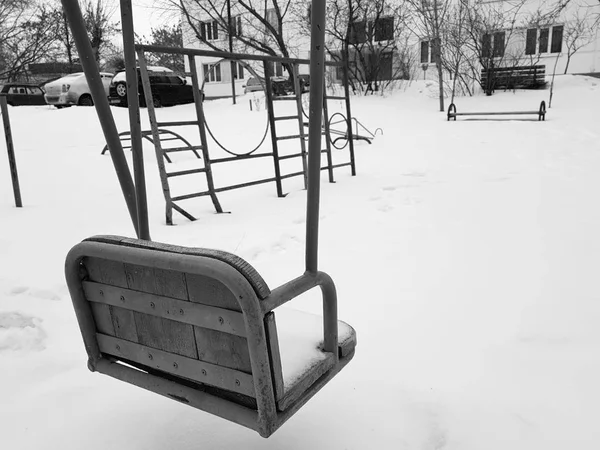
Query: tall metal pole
x=92, y=75
x=232, y=63
x=317, y=78
x=135, y=126
x=12, y=162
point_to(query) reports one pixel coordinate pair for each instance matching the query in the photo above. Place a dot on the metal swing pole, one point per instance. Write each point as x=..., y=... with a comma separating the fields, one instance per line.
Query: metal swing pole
x=317, y=77
x=111, y=135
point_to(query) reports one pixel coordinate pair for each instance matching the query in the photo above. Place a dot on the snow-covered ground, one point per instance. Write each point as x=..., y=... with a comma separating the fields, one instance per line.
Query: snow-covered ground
x=465, y=256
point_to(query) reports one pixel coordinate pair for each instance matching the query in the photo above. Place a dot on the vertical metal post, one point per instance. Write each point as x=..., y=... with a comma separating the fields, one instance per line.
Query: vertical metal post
x=111, y=135
x=317, y=79
x=349, y=114
x=200, y=116
x=232, y=63
x=158, y=151
x=12, y=162
x=327, y=135
x=271, y=114
x=134, y=119
x=298, y=91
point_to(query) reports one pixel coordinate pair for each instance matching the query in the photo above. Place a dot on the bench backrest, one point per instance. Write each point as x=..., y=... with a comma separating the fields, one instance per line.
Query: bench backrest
x=189, y=314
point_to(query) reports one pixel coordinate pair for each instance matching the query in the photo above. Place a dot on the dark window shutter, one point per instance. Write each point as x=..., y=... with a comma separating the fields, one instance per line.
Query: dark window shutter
x=384, y=29
x=209, y=31
x=239, y=25
x=234, y=69
x=241, y=71
x=218, y=71
x=544, y=40
x=215, y=30
x=531, y=41
x=557, y=36
x=486, y=45
x=499, y=43
x=425, y=51
x=203, y=31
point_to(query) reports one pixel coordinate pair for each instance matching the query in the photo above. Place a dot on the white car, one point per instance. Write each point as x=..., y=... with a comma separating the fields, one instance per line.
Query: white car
x=73, y=89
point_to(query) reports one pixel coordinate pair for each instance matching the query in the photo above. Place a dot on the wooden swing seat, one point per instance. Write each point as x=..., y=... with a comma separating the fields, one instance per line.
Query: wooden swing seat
x=198, y=326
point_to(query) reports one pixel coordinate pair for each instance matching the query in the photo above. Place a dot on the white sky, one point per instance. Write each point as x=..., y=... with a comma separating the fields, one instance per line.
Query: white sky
x=146, y=15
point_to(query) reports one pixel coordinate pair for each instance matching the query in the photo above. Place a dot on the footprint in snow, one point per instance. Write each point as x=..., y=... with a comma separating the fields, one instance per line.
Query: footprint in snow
x=18, y=290
x=20, y=331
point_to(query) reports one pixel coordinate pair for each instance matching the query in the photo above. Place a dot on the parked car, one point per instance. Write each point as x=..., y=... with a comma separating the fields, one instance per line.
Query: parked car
x=167, y=88
x=253, y=85
x=73, y=89
x=280, y=85
x=18, y=94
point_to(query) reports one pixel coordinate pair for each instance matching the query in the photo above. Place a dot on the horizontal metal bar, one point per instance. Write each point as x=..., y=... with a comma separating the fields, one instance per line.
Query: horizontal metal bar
x=177, y=124
x=182, y=149
x=188, y=196
x=291, y=175
x=281, y=98
x=295, y=155
x=335, y=166
x=240, y=158
x=231, y=322
x=285, y=118
x=193, y=369
x=334, y=97
x=227, y=55
x=285, y=138
x=185, y=172
x=493, y=113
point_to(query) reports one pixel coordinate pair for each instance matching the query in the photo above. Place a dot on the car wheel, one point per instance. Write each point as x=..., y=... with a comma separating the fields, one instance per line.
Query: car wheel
x=86, y=100
x=156, y=102
x=121, y=89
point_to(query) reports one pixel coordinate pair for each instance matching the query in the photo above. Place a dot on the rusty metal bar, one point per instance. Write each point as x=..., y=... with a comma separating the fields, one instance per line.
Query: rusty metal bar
x=349, y=116
x=227, y=55
x=317, y=75
x=12, y=162
x=240, y=158
x=133, y=106
x=111, y=135
x=271, y=114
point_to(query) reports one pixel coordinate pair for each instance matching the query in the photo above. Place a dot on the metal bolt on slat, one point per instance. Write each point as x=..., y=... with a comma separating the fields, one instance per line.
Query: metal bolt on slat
x=152, y=305
x=221, y=321
x=150, y=356
x=203, y=372
x=122, y=298
x=175, y=366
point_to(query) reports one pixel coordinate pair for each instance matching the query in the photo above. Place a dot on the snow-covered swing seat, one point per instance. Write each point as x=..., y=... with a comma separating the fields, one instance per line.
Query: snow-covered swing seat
x=201, y=326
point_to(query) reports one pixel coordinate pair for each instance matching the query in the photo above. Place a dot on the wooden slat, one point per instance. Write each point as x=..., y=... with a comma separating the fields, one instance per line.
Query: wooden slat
x=274, y=355
x=124, y=323
x=312, y=374
x=165, y=334
x=209, y=291
x=105, y=271
x=192, y=369
x=103, y=319
x=223, y=349
x=223, y=320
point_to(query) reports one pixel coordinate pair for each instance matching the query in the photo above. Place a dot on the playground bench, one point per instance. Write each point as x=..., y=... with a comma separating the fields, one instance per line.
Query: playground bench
x=525, y=77
x=541, y=112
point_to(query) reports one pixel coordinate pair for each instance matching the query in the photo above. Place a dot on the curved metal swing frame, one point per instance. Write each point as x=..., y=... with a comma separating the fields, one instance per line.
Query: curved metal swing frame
x=137, y=301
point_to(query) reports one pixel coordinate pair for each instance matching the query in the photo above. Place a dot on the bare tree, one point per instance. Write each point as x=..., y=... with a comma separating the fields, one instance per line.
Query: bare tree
x=98, y=20
x=167, y=36
x=578, y=32
x=262, y=26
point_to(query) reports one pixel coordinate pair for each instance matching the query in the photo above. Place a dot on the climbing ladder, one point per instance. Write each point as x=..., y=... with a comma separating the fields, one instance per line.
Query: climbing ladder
x=170, y=200
x=173, y=202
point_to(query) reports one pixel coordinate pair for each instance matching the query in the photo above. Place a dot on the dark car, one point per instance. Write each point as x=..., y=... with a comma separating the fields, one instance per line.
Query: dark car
x=18, y=94
x=283, y=86
x=167, y=88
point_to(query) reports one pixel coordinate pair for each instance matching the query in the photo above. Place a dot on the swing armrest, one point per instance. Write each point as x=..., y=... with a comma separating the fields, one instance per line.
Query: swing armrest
x=302, y=284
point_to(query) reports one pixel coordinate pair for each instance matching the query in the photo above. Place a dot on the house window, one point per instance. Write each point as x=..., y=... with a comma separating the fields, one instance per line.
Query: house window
x=557, y=35
x=384, y=29
x=530, y=41
x=238, y=71
x=271, y=18
x=425, y=54
x=236, y=26
x=358, y=32
x=212, y=72
x=209, y=31
x=544, y=34
x=499, y=44
x=492, y=45
x=544, y=40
